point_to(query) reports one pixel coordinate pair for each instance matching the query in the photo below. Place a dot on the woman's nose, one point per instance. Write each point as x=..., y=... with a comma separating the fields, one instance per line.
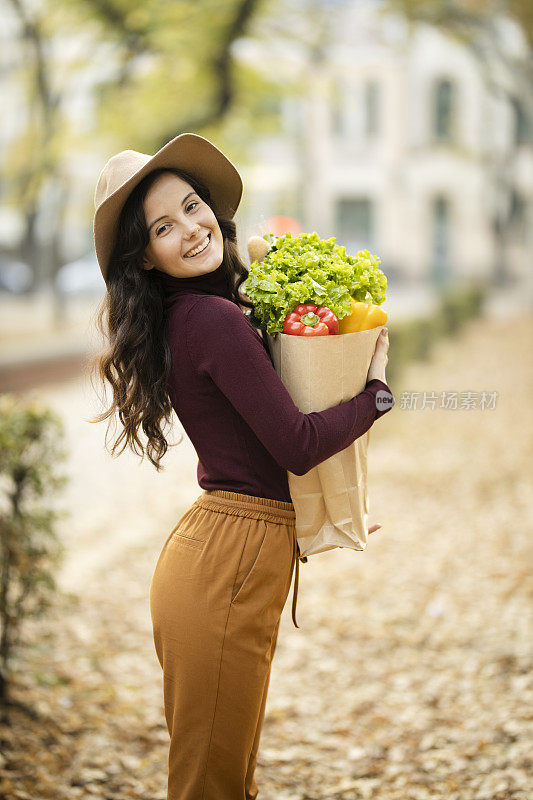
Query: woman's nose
x=192, y=229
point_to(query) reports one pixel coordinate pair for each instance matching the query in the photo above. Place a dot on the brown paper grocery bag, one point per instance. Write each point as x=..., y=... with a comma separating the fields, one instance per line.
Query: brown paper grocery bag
x=331, y=500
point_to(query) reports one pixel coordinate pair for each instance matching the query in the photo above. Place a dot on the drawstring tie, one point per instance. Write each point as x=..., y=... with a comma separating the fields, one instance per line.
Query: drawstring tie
x=295, y=564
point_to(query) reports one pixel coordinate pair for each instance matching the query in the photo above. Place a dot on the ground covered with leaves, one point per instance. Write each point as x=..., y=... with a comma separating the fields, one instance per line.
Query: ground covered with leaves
x=411, y=674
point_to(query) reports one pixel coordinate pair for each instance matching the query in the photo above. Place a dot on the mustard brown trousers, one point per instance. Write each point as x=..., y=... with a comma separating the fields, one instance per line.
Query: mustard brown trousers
x=216, y=597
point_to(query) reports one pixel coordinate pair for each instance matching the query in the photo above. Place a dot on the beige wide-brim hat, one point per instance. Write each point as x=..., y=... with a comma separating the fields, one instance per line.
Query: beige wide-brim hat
x=126, y=169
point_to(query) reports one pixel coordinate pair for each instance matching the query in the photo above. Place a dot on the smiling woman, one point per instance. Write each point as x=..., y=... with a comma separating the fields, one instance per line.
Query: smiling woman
x=185, y=237
x=179, y=340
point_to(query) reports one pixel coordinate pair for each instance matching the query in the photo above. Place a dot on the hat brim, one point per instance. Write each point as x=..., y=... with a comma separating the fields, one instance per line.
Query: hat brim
x=188, y=151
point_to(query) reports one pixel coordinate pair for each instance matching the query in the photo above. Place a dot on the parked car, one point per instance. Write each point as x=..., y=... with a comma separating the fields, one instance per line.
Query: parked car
x=82, y=276
x=15, y=276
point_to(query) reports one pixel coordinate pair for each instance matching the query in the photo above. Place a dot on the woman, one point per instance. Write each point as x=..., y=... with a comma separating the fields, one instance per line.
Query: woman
x=179, y=340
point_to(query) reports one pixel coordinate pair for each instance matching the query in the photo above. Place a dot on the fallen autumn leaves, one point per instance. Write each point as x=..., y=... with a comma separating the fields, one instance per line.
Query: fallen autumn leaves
x=410, y=676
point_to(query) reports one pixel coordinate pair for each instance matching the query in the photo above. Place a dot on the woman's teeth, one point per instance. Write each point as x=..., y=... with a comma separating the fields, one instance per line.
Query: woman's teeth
x=200, y=247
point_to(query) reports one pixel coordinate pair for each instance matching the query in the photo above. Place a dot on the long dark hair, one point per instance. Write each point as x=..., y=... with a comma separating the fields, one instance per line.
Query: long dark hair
x=136, y=360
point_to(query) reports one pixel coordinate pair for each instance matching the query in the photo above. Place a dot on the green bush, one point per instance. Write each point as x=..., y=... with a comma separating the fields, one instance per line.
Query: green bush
x=459, y=305
x=30, y=449
x=475, y=299
x=450, y=313
x=414, y=339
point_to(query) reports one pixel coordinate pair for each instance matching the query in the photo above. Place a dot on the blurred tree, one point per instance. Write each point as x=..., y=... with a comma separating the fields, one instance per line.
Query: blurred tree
x=175, y=61
x=145, y=70
x=31, y=161
x=467, y=19
x=31, y=449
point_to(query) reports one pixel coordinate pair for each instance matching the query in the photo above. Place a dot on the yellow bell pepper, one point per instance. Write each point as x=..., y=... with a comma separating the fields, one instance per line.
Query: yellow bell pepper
x=363, y=317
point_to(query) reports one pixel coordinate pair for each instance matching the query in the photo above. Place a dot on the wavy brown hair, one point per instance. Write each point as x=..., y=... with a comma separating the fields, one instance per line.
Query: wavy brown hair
x=136, y=359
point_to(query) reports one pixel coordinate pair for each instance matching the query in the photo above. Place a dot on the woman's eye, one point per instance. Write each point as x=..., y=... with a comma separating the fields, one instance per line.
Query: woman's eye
x=191, y=205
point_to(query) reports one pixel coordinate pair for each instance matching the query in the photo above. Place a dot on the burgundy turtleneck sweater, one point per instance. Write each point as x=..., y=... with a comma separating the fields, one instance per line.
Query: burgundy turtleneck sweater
x=240, y=418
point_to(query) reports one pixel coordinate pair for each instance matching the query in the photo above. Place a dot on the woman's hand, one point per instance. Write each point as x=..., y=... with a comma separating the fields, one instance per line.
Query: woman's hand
x=372, y=529
x=380, y=357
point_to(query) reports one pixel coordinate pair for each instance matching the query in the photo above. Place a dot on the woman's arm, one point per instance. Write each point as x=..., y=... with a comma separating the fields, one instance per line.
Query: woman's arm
x=223, y=344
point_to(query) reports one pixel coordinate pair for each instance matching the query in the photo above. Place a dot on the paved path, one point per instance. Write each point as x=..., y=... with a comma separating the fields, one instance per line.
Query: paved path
x=410, y=676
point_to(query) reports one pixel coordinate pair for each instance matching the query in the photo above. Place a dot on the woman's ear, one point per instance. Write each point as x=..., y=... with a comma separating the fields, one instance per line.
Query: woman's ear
x=147, y=264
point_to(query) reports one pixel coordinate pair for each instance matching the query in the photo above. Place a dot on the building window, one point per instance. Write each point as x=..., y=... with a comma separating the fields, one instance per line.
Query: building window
x=521, y=127
x=340, y=109
x=355, y=223
x=337, y=114
x=441, y=265
x=443, y=110
x=517, y=216
x=292, y=115
x=272, y=113
x=372, y=96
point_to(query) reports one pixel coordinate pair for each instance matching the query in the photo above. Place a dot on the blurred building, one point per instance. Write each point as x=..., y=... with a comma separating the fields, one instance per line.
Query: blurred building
x=402, y=144
x=396, y=142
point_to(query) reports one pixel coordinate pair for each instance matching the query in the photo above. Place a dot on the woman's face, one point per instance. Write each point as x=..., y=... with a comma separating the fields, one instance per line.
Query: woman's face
x=180, y=223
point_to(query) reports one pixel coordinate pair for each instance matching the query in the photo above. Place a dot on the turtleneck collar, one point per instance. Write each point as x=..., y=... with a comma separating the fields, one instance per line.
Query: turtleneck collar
x=214, y=282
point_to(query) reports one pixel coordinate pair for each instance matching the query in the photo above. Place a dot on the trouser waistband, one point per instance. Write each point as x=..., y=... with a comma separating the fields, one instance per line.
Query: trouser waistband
x=245, y=505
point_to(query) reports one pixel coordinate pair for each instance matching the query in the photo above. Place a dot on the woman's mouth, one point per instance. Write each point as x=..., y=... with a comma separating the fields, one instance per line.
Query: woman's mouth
x=202, y=247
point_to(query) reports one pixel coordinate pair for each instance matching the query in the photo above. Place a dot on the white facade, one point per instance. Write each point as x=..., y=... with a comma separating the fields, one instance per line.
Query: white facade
x=396, y=144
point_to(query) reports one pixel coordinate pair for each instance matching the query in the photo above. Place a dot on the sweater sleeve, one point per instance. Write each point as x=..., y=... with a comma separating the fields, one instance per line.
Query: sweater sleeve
x=223, y=344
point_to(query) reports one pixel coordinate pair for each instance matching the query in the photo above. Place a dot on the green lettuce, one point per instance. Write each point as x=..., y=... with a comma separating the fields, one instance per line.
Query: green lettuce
x=308, y=269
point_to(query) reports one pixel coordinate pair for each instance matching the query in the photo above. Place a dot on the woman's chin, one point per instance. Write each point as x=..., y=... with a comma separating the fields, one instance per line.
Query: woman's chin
x=214, y=262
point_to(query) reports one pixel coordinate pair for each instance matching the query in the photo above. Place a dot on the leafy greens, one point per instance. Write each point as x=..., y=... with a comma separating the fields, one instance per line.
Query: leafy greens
x=308, y=269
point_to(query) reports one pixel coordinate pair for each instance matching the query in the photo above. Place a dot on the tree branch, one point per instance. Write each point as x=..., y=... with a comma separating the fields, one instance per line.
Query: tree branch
x=223, y=69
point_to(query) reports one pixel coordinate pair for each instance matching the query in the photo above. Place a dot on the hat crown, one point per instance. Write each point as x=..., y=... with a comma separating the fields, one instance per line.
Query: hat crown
x=118, y=170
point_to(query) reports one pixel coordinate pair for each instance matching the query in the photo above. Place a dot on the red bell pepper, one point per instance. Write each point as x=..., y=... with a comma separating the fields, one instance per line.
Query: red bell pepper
x=308, y=319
